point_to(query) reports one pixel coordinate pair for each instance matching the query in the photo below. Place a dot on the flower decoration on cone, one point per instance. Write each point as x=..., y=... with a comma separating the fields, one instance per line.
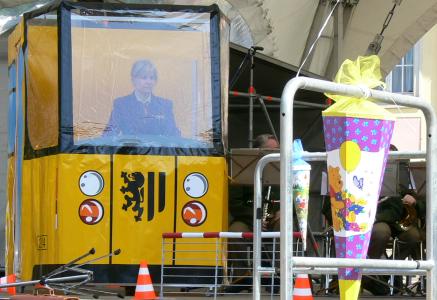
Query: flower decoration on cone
x=357, y=139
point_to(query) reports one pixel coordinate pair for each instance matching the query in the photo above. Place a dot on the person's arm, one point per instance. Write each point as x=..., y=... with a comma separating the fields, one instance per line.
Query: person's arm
x=390, y=211
x=421, y=208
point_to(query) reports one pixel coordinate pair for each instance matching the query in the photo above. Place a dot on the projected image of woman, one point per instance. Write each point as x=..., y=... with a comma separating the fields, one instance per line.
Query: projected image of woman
x=141, y=112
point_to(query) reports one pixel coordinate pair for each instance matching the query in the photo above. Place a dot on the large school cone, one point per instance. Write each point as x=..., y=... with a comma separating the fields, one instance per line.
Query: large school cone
x=8, y=279
x=301, y=187
x=357, y=139
x=144, y=288
x=302, y=288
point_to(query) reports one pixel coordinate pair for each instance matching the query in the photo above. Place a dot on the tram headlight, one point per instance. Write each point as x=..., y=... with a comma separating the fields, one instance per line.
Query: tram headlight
x=194, y=213
x=91, y=183
x=195, y=185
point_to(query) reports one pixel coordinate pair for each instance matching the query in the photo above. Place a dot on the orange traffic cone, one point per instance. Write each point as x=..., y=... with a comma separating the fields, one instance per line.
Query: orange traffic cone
x=8, y=279
x=144, y=289
x=302, y=288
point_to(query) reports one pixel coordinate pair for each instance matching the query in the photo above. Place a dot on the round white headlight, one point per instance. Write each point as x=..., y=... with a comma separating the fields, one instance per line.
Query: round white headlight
x=91, y=183
x=195, y=185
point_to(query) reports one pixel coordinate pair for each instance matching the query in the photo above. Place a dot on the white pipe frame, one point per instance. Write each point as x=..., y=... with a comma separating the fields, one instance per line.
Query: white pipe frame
x=286, y=188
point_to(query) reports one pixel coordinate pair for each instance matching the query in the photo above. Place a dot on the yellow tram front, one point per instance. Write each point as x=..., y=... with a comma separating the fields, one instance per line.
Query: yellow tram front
x=117, y=135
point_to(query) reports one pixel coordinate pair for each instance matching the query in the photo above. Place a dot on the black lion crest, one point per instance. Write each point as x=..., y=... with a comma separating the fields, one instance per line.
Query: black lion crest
x=134, y=192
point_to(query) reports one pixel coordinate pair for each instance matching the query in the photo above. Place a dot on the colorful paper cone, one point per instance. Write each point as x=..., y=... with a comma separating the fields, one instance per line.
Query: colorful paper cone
x=301, y=187
x=357, y=139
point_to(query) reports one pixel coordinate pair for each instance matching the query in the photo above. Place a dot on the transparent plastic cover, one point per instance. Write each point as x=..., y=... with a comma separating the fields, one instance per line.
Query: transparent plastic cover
x=143, y=78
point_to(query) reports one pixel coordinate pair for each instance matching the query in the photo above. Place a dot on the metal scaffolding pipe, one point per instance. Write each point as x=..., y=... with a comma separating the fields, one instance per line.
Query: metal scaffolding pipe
x=275, y=99
x=365, y=271
x=362, y=263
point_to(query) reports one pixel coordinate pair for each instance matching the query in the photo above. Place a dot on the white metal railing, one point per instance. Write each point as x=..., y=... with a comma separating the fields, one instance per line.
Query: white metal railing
x=217, y=263
x=286, y=184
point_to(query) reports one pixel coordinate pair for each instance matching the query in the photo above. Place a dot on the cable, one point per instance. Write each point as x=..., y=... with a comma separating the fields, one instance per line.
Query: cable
x=318, y=37
x=375, y=45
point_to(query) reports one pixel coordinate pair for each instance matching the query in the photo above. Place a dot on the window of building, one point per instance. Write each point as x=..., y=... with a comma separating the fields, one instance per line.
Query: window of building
x=403, y=78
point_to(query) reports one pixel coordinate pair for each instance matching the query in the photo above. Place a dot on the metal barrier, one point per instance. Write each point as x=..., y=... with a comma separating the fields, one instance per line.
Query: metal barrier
x=419, y=283
x=286, y=182
x=229, y=262
x=308, y=156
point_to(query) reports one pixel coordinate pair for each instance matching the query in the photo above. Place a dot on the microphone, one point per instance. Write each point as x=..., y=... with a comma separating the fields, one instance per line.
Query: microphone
x=258, y=48
x=253, y=50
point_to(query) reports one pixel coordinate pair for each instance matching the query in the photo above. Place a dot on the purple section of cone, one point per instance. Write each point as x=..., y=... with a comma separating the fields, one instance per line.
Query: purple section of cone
x=370, y=134
x=354, y=246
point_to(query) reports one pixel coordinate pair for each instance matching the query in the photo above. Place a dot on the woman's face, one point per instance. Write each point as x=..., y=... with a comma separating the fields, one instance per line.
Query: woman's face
x=144, y=83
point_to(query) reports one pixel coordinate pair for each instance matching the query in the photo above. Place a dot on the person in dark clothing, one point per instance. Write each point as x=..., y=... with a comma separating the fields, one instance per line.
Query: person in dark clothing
x=241, y=196
x=391, y=213
x=398, y=217
x=241, y=210
x=142, y=112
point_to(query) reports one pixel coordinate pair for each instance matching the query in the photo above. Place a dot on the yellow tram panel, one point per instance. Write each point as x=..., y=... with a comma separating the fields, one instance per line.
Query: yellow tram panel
x=38, y=211
x=202, y=210
x=15, y=40
x=78, y=232
x=135, y=230
x=9, y=220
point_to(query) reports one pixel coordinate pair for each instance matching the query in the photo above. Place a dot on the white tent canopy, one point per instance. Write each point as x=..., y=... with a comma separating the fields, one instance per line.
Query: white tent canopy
x=286, y=28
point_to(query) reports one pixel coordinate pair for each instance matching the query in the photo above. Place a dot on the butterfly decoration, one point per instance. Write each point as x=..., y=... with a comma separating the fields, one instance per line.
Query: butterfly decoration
x=359, y=182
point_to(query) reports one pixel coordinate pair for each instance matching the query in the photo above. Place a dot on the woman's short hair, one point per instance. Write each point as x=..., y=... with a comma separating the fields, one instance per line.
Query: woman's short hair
x=143, y=67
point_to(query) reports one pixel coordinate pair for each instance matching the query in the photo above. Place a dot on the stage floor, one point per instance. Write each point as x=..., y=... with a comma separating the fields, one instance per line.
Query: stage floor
x=247, y=297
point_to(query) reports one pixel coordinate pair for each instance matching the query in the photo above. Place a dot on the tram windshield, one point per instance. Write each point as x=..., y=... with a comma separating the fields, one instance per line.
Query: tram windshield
x=142, y=78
